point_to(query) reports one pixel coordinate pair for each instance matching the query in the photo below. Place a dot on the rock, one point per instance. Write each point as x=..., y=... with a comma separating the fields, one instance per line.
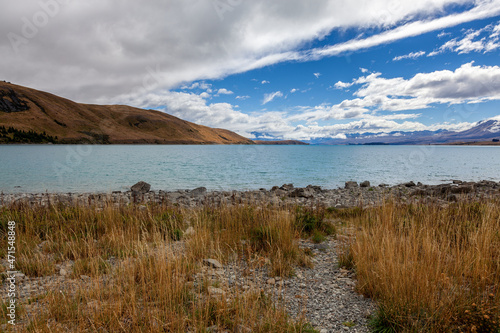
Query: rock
x=212, y=263
x=462, y=189
x=287, y=187
x=410, y=184
x=271, y=281
x=302, y=193
x=365, y=184
x=198, y=191
x=452, y=197
x=63, y=272
x=212, y=291
x=141, y=187
x=314, y=188
x=189, y=232
x=351, y=184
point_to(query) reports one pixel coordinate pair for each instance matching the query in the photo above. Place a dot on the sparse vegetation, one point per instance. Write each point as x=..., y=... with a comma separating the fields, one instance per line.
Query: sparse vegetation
x=430, y=268
x=151, y=286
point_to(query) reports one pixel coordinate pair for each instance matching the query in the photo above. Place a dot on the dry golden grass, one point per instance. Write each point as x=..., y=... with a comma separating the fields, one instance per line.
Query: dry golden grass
x=431, y=269
x=152, y=287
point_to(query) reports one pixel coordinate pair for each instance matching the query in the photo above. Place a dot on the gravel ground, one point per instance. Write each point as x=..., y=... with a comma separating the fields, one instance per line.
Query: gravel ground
x=325, y=295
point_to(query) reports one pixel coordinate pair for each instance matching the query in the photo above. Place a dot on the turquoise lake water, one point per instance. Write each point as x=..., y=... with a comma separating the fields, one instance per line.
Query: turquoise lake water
x=85, y=168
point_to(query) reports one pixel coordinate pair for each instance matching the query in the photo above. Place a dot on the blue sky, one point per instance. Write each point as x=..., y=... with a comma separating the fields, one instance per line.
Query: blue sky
x=279, y=69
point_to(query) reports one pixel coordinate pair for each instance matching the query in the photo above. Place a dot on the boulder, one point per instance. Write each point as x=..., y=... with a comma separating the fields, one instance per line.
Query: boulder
x=141, y=187
x=410, y=184
x=198, y=191
x=365, y=184
x=351, y=184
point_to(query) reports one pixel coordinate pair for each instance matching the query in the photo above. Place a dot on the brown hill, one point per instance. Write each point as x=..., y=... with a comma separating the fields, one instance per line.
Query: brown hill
x=33, y=113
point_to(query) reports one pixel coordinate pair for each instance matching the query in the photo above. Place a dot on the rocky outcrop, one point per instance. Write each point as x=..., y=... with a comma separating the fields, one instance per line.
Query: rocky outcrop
x=10, y=102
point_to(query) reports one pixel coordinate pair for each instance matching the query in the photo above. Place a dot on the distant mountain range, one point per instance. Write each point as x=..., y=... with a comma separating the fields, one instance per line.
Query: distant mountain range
x=483, y=131
x=32, y=116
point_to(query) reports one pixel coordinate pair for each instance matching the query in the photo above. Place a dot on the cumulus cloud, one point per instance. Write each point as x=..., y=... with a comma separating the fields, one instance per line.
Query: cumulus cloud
x=294, y=90
x=224, y=91
x=265, y=82
x=411, y=55
x=270, y=97
x=317, y=75
x=243, y=97
x=93, y=51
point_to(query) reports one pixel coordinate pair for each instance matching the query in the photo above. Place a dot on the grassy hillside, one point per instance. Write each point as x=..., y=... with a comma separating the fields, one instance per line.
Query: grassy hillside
x=26, y=109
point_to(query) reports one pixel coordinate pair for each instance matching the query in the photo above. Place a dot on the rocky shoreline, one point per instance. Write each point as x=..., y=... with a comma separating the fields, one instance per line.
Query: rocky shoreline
x=351, y=195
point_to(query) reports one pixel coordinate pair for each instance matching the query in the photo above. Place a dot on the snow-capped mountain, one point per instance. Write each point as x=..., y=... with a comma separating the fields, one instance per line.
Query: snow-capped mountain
x=485, y=130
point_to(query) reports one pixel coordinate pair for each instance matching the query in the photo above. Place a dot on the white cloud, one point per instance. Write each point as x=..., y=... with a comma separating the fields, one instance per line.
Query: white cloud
x=483, y=10
x=363, y=70
x=317, y=75
x=342, y=85
x=294, y=90
x=467, y=84
x=270, y=97
x=224, y=91
x=197, y=85
x=481, y=40
x=95, y=50
x=195, y=108
x=265, y=82
x=412, y=55
x=443, y=34
x=243, y=97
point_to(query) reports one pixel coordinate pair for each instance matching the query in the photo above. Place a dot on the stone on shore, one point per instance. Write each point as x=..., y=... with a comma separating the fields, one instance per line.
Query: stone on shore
x=198, y=191
x=141, y=187
x=351, y=184
x=365, y=184
x=302, y=193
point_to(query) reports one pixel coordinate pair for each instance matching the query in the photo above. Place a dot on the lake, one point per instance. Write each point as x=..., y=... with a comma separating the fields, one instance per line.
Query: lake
x=93, y=168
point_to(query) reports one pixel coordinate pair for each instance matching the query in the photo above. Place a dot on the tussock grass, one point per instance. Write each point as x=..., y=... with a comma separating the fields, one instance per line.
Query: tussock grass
x=152, y=286
x=431, y=268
